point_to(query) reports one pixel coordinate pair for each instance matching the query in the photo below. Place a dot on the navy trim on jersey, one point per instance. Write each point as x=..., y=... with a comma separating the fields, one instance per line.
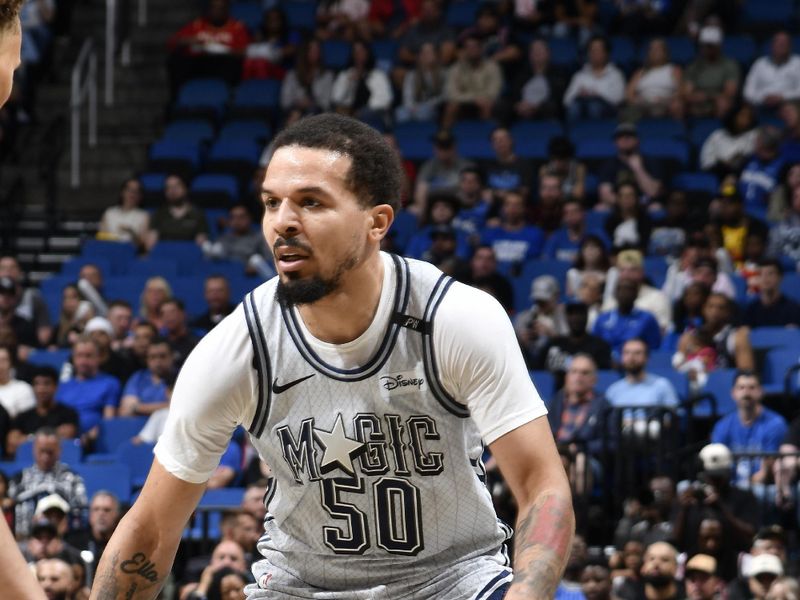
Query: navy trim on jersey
x=262, y=365
x=496, y=583
x=429, y=356
x=374, y=364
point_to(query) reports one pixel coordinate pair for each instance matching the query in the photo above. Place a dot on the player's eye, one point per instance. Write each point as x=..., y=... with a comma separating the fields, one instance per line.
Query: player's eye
x=271, y=202
x=309, y=202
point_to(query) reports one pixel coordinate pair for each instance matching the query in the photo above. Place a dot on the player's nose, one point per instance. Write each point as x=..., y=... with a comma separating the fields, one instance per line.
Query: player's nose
x=286, y=220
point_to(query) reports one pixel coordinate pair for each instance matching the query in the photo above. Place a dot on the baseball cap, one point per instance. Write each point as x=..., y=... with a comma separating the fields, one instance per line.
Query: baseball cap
x=544, y=287
x=765, y=563
x=51, y=501
x=99, y=324
x=443, y=138
x=42, y=523
x=717, y=459
x=625, y=129
x=443, y=230
x=711, y=35
x=7, y=285
x=630, y=258
x=702, y=563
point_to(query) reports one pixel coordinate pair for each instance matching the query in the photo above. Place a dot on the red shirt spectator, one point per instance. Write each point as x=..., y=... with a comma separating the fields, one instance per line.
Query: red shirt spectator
x=214, y=32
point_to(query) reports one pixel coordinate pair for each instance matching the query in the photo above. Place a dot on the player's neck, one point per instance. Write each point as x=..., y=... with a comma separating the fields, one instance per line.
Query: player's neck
x=347, y=313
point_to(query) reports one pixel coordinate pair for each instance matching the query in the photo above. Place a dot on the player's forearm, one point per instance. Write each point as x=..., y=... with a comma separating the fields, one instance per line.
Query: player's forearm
x=16, y=579
x=135, y=563
x=542, y=544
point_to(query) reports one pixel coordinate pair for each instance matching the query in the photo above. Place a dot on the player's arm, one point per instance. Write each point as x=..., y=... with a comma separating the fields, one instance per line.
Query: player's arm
x=529, y=462
x=139, y=555
x=16, y=579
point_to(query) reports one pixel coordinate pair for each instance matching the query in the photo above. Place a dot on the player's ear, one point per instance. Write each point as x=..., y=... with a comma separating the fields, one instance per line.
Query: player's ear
x=381, y=218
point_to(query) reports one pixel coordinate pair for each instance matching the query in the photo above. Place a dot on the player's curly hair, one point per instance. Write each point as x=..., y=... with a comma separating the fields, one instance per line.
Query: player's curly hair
x=9, y=14
x=375, y=177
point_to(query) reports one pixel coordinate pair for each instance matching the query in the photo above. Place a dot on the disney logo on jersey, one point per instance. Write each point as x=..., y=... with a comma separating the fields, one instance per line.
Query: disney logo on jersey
x=402, y=383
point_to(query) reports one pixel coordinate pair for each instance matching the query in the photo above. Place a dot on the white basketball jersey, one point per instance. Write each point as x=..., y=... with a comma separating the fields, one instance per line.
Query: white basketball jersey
x=378, y=489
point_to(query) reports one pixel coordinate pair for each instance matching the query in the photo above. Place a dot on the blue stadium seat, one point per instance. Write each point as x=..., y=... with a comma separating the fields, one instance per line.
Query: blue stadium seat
x=605, y=377
x=225, y=499
x=189, y=130
x=228, y=497
x=189, y=288
x=248, y=13
x=719, y=385
x=595, y=149
x=775, y=13
x=232, y=269
x=49, y=358
x=203, y=96
x=403, y=228
x=473, y=129
x=475, y=148
x=536, y=130
x=117, y=430
x=532, y=148
x=244, y=150
x=70, y=452
x=597, y=129
x=741, y=48
x=246, y=129
x=596, y=219
x=660, y=129
x=169, y=155
x=414, y=139
x=11, y=468
x=678, y=380
x=126, y=287
x=385, y=52
x=623, y=53
x=73, y=266
x=681, y=49
x=150, y=267
x=701, y=129
x=530, y=271
x=791, y=285
x=55, y=284
x=138, y=458
x=696, y=182
x=461, y=14
x=186, y=253
x=563, y=52
x=655, y=269
x=545, y=384
x=300, y=14
x=774, y=337
x=257, y=95
x=115, y=478
x=666, y=149
x=336, y=54
x=153, y=183
x=776, y=363
x=115, y=251
x=659, y=359
x=215, y=189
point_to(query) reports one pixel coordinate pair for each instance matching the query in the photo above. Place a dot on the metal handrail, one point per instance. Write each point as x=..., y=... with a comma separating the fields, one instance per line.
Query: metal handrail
x=84, y=89
x=118, y=38
x=110, y=50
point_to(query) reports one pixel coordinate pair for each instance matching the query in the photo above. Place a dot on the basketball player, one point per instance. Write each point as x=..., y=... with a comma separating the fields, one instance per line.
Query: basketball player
x=367, y=382
x=16, y=580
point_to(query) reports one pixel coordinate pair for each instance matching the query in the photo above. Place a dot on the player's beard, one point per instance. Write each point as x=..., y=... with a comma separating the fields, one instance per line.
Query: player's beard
x=298, y=290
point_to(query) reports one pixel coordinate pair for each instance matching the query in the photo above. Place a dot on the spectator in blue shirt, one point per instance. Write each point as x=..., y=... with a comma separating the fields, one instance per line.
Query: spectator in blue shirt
x=514, y=241
x=751, y=428
x=92, y=394
x=761, y=174
x=564, y=242
x=771, y=308
x=625, y=322
x=146, y=390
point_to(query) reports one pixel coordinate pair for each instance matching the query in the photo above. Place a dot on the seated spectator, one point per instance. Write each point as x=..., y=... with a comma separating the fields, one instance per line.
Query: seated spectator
x=484, y=275
x=537, y=89
x=696, y=264
x=625, y=322
x=569, y=584
x=711, y=81
x=363, y=90
x=24, y=329
x=780, y=200
x=429, y=28
x=699, y=357
x=562, y=163
x=92, y=394
x=775, y=78
x=423, y=88
x=342, y=20
x=705, y=270
x=596, y=580
x=227, y=583
x=47, y=413
x=443, y=253
x=126, y=222
x=669, y=230
x=507, y=171
x=687, y=311
x=227, y=554
x=590, y=293
x=46, y=476
x=598, y=88
x=732, y=344
x=217, y=294
x=30, y=304
x=727, y=148
x=176, y=330
x=630, y=266
x=762, y=572
x=701, y=578
x=658, y=575
x=640, y=389
x=543, y=321
x=628, y=225
x=654, y=89
x=15, y=396
x=442, y=209
x=145, y=392
x=784, y=237
x=178, y=219
x=783, y=588
x=120, y=316
x=514, y=240
x=646, y=515
x=498, y=43
x=57, y=578
x=474, y=202
x=626, y=562
x=547, y=210
x=772, y=307
x=752, y=428
x=734, y=226
x=561, y=351
x=117, y=364
x=306, y=90
x=144, y=333
x=761, y=173
x=628, y=166
x=440, y=173
x=156, y=291
x=473, y=84
x=755, y=251
x=90, y=284
x=209, y=46
x=243, y=243
x=272, y=48
x=770, y=541
x=104, y=514
x=592, y=258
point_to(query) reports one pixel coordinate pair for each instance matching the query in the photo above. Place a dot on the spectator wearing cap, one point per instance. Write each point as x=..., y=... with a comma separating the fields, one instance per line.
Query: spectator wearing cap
x=658, y=576
x=565, y=242
x=473, y=84
x=752, y=427
x=598, y=88
x=30, y=304
x=145, y=392
x=562, y=349
x=624, y=322
x=484, y=275
x=514, y=240
x=770, y=541
x=544, y=320
x=439, y=173
x=711, y=81
x=727, y=148
x=761, y=573
x=15, y=395
x=630, y=267
x=104, y=515
x=775, y=78
x=92, y=394
x=46, y=476
x=507, y=171
x=46, y=413
x=771, y=307
x=628, y=166
x=112, y=362
x=761, y=173
x=23, y=328
x=537, y=89
x=701, y=579
x=442, y=210
x=47, y=533
x=784, y=588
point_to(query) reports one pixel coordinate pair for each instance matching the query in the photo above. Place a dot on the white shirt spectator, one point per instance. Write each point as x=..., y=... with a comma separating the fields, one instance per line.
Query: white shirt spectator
x=722, y=147
x=380, y=90
x=608, y=85
x=769, y=79
x=16, y=397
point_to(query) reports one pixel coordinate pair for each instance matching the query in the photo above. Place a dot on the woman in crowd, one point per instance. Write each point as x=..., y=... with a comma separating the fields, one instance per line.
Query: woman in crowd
x=423, y=88
x=727, y=148
x=74, y=313
x=307, y=88
x=156, y=291
x=592, y=258
x=628, y=224
x=126, y=222
x=654, y=90
x=362, y=90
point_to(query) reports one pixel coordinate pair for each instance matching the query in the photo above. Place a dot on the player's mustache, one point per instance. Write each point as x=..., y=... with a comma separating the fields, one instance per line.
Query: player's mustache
x=292, y=243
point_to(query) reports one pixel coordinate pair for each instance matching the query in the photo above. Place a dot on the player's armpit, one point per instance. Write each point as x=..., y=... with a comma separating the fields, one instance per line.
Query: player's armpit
x=530, y=464
x=140, y=553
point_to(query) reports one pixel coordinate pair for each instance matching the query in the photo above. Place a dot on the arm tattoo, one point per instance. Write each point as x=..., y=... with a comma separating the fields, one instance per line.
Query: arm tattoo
x=138, y=565
x=543, y=540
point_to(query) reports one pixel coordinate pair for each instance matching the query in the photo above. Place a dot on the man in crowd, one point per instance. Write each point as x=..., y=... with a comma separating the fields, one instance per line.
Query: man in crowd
x=711, y=82
x=473, y=84
x=774, y=79
x=120, y=315
x=658, y=575
x=23, y=328
x=146, y=392
x=630, y=266
x=30, y=304
x=484, y=275
x=57, y=579
x=514, y=240
x=771, y=307
x=564, y=242
x=441, y=172
x=176, y=330
x=178, y=219
x=217, y=293
x=625, y=322
x=242, y=243
x=544, y=320
x=702, y=580
x=104, y=514
x=629, y=166
x=638, y=387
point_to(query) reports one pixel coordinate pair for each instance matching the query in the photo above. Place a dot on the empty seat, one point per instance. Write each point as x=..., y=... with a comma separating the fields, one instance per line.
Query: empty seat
x=461, y=14
x=115, y=478
x=598, y=129
x=659, y=129
x=150, y=267
x=215, y=189
x=246, y=129
x=207, y=97
x=545, y=384
x=169, y=156
x=49, y=358
x=189, y=130
x=256, y=97
x=138, y=458
x=300, y=15
x=336, y=54
x=696, y=182
x=115, y=251
x=248, y=13
x=117, y=430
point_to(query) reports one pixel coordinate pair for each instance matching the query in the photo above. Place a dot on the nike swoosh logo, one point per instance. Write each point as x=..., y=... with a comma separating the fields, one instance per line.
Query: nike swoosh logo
x=279, y=389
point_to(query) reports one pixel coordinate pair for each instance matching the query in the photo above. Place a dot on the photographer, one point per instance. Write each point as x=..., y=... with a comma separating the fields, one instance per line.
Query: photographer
x=713, y=494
